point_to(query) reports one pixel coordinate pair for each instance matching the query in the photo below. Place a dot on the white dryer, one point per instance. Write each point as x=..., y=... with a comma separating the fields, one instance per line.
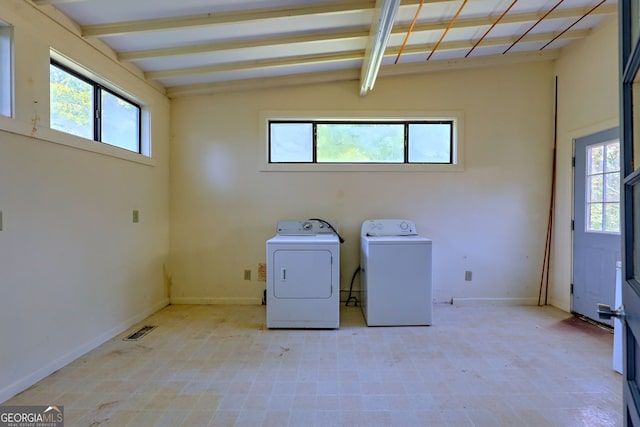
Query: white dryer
x=395, y=274
x=303, y=276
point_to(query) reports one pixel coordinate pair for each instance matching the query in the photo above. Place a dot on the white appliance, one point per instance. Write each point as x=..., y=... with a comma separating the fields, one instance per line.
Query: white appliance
x=303, y=275
x=395, y=274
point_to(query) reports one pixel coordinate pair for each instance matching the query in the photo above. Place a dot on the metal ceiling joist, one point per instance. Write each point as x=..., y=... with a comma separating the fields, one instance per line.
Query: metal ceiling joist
x=453, y=21
x=496, y=22
x=574, y=23
x=534, y=25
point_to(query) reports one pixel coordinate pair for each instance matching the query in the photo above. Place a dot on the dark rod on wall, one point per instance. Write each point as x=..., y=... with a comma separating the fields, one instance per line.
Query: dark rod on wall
x=546, y=263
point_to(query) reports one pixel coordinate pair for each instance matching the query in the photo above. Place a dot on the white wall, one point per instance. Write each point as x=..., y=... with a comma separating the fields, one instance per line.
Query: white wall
x=74, y=269
x=490, y=218
x=588, y=102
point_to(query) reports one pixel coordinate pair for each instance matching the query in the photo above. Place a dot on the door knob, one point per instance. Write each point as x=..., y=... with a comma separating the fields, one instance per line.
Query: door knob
x=605, y=312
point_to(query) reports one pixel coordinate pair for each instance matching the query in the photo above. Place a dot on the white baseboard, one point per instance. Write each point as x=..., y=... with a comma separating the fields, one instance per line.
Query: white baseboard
x=26, y=382
x=470, y=302
x=211, y=300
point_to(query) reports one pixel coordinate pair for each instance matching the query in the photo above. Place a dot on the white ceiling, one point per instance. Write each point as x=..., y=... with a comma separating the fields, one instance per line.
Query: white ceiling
x=196, y=46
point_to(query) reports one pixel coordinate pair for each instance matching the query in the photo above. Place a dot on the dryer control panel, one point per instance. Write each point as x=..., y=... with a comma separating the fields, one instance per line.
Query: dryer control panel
x=388, y=227
x=304, y=227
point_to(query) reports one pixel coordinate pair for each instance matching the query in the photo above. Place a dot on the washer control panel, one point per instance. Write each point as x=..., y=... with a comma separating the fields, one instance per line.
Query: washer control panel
x=304, y=227
x=388, y=227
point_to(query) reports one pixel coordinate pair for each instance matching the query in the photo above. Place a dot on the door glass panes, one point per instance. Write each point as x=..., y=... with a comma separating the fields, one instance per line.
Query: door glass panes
x=635, y=95
x=71, y=103
x=290, y=142
x=603, y=187
x=360, y=143
x=430, y=143
x=120, y=122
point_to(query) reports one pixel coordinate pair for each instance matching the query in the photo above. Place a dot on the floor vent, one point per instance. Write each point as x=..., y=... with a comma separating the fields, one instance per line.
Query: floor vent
x=139, y=333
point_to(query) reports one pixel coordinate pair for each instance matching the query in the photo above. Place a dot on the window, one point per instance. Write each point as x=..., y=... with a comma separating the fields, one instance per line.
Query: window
x=363, y=141
x=6, y=69
x=83, y=107
x=603, y=187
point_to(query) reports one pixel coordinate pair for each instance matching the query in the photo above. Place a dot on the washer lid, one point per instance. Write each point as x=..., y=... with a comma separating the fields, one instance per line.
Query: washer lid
x=396, y=240
x=388, y=227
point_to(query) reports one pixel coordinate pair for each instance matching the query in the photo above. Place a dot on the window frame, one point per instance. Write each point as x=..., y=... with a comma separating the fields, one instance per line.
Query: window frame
x=604, y=173
x=98, y=88
x=456, y=117
x=406, y=126
x=6, y=70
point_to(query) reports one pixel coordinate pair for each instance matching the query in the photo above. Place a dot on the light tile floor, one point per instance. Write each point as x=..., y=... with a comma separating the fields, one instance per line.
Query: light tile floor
x=219, y=366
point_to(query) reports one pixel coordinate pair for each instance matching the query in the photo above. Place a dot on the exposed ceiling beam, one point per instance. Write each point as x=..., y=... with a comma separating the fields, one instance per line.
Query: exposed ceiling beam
x=243, y=44
x=353, y=74
x=348, y=56
x=207, y=19
x=348, y=34
x=43, y=2
x=256, y=64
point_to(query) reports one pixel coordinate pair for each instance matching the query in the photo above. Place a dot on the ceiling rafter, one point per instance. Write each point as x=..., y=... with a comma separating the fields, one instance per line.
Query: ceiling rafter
x=244, y=44
x=348, y=56
x=349, y=34
x=207, y=19
x=354, y=74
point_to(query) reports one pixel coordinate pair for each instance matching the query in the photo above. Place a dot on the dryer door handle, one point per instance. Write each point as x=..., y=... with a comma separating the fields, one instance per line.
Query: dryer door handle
x=283, y=274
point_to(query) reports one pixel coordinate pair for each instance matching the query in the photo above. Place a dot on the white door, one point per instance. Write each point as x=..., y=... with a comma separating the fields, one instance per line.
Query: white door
x=302, y=274
x=596, y=235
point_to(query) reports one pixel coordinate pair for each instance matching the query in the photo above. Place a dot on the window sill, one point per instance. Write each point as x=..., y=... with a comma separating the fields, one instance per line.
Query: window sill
x=18, y=127
x=377, y=167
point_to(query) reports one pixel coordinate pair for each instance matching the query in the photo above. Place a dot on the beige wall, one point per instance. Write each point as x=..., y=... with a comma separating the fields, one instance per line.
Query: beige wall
x=489, y=218
x=74, y=269
x=588, y=102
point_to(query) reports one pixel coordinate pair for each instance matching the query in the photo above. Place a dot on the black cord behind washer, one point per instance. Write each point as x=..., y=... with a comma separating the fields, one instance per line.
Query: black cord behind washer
x=350, y=297
x=330, y=226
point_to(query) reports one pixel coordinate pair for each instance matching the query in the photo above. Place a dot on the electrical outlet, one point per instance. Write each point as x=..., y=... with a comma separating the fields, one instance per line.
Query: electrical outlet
x=247, y=275
x=467, y=276
x=136, y=216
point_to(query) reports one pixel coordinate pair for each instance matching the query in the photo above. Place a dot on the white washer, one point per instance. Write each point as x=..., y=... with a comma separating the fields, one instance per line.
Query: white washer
x=303, y=276
x=395, y=274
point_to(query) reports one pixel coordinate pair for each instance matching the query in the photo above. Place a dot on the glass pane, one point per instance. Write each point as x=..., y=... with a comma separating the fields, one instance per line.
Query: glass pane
x=612, y=217
x=120, y=122
x=635, y=231
x=595, y=192
x=71, y=103
x=360, y=143
x=595, y=157
x=430, y=143
x=635, y=95
x=612, y=163
x=594, y=217
x=290, y=142
x=612, y=187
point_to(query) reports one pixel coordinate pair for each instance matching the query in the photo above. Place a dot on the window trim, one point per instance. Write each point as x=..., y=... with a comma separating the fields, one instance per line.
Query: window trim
x=457, y=152
x=97, y=103
x=7, y=100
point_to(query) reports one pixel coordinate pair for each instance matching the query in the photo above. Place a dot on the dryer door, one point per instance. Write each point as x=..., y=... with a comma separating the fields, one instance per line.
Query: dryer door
x=302, y=274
